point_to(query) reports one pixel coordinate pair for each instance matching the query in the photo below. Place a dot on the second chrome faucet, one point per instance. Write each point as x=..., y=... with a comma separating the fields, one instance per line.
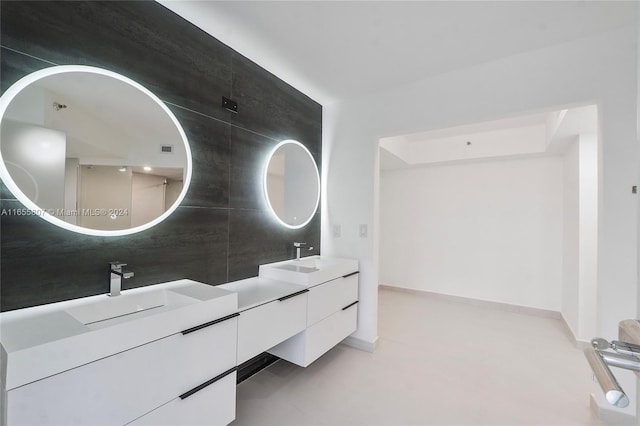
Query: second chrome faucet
x=298, y=246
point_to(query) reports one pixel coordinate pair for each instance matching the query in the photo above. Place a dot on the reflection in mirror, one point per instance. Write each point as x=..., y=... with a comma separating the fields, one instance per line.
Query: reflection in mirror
x=292, y=184
x=92, y=151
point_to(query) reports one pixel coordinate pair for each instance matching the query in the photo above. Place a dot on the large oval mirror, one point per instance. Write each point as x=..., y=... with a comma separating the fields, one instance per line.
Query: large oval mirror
x=92, y=151
x=292, y=184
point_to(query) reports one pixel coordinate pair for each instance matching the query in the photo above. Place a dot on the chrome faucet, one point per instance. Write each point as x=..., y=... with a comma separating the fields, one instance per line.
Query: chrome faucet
x=298, y=246
x=116, y=274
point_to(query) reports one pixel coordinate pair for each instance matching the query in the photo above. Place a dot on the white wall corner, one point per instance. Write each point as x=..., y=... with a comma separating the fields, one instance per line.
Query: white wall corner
x=361, y=344
x=578, y=343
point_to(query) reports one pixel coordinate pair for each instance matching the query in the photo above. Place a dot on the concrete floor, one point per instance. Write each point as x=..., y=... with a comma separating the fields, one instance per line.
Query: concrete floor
x=438, y=362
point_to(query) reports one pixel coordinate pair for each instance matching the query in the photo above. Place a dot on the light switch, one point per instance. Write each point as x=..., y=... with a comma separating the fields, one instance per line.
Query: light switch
x=337, y=231
x=363, y=230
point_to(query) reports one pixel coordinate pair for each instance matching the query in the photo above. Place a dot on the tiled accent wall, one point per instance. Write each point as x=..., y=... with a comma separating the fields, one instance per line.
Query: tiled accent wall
x=220, y=232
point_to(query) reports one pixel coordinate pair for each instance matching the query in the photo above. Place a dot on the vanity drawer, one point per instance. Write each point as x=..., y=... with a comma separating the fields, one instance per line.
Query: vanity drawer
x=213, y=405
x=125, y=386
x=266, y=325
x=304, y=348
x=330, y=297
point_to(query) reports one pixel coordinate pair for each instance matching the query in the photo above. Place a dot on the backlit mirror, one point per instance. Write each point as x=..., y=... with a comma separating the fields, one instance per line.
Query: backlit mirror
x=292, y=184
x=91, y=151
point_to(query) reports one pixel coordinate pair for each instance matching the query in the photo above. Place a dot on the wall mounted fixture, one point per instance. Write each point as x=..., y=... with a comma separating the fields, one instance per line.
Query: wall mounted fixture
x=122, y=106
x=291, y=184
x=600, y=357
x=230, y=105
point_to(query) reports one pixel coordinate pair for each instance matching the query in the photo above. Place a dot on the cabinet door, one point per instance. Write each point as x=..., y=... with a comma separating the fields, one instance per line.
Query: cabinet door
x=213, y=405
x=117, y=389
x=330, y=297
x=304, y=348
x=329, y=332
x=267, y=325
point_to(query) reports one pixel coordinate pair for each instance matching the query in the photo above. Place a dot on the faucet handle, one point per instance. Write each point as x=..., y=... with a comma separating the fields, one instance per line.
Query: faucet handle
x=117, y=264
x=298, y=245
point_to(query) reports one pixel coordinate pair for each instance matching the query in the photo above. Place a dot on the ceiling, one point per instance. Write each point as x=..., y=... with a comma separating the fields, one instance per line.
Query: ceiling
x=543, y=134
x=336, y=50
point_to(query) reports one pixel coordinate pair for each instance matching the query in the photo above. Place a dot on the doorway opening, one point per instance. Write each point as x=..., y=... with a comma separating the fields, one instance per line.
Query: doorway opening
x=504, y=212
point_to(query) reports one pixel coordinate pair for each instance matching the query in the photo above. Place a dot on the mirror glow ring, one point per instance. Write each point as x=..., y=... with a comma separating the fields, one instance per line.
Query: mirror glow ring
x=266, y=191
x=16, y=88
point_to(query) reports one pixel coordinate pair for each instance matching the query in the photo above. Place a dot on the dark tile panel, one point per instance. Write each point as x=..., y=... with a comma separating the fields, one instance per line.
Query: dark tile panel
x=209, y=143
x=4, y=192
x=191, y=243
x=14, y=66
x=248, y=156
x=42, y=263
x=140, y=39
x=269, y=106
x=256, y=238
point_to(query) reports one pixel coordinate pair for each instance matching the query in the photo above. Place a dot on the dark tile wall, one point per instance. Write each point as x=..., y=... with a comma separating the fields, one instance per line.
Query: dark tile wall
x=221, y=231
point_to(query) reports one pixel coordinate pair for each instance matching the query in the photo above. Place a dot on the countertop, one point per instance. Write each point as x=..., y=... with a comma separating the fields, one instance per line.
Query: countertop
x=44, y=340
x=257, y=291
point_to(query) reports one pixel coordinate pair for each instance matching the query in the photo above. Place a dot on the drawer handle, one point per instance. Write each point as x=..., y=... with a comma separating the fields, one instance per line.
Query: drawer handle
x=207, y=324
x=207, y=383
x=298, y=293
x=348, y=306
x=351, y=274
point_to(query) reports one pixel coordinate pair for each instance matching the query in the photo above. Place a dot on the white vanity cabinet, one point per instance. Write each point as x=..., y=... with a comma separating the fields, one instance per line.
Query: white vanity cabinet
x=187, y=376
x=332, y=315
x=270, y=312
x=120, y=388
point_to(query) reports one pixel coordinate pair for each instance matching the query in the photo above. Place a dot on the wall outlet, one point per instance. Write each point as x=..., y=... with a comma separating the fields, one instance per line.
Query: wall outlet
x=337, y=231
x=364, y=230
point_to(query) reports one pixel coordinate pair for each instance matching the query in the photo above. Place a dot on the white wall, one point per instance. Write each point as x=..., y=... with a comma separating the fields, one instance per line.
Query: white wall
x=300, y=186
x=588, y=239
x=35, y=159
x=172, y=191
x=104, y=188
x=598, y=70
x=638, y=197
x=147, y=198
x=571, y=237
x=490, y=230
x=71, y=179
x=275, y=188
x=580, y=238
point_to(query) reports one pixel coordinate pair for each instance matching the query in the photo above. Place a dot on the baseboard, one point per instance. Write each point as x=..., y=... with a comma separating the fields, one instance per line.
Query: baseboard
x=545, y=313
x=580, y=344
x=610, y=416
x=363, y=345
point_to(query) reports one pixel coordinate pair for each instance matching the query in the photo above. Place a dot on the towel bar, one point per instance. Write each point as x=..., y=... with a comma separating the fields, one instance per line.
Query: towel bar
x=599, y=358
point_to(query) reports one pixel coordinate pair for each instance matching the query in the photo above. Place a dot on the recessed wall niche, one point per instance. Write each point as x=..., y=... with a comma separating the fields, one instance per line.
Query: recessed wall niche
x=221, y=231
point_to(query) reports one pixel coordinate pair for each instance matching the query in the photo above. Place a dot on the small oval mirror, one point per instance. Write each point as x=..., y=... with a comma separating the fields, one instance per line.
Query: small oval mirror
x=292, y=184
x=92, y=151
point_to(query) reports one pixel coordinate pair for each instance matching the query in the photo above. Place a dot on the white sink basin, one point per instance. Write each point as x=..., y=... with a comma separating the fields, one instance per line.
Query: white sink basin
x=298, y=267
x=309, y=271
x=127, y=307
x=103, y=326
x=314, y=262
